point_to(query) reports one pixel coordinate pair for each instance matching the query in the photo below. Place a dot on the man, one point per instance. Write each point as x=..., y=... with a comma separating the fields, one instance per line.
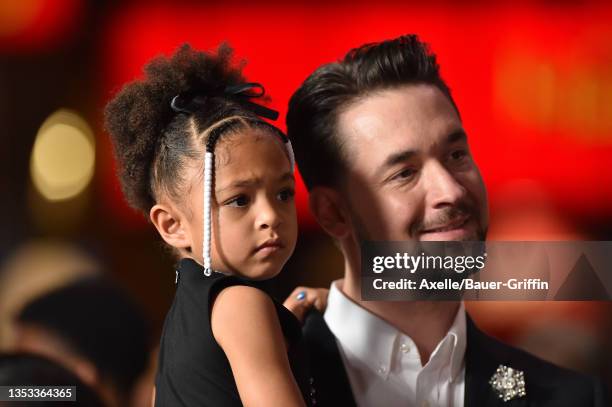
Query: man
x=93, y=329
x=381, y=147
x=22, y=369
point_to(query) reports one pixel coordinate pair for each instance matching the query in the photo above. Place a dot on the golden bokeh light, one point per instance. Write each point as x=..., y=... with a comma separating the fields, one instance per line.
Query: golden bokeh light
x=63, y=157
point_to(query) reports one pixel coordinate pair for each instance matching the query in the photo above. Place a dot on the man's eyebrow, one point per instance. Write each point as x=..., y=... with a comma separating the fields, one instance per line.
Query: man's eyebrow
x=403, y=156
x=455, y=136
x=394, y=159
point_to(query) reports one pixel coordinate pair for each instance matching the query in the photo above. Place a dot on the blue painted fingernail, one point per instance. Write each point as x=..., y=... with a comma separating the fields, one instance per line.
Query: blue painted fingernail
x=301, y=295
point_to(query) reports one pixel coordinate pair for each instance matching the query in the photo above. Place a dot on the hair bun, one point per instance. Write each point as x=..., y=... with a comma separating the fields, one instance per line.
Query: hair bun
x=138, y=115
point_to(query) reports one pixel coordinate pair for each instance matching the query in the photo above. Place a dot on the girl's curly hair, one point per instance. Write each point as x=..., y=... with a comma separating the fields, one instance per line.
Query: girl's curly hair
x=152, y=143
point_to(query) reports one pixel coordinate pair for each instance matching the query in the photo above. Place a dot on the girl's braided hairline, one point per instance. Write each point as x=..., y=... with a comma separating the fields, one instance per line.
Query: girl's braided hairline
x=151, y=142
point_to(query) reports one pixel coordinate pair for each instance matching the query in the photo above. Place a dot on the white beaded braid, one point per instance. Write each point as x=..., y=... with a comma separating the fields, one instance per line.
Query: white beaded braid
x=242, y=92
x=208, y=168
x=209, y=163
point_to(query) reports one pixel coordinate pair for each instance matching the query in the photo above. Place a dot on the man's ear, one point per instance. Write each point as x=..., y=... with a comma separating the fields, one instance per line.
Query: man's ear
x=171, y=226
x=327, y=206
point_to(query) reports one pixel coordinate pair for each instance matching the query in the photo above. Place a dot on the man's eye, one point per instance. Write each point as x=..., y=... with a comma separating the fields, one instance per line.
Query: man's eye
x=404, y=174
x=239, y=201
x=458, y=155
x=286, y=194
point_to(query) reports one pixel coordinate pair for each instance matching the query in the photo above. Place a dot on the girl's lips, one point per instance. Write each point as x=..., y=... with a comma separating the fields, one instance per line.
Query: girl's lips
x=270, y=246
x=267, y=250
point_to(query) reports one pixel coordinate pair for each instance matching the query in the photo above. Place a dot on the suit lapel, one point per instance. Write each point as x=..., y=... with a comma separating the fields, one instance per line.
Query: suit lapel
x=481, y=362
x=333, y=387
x=331, y=382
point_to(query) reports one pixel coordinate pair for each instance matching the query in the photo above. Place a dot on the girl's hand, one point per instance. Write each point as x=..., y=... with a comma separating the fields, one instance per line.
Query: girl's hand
x=302, y=299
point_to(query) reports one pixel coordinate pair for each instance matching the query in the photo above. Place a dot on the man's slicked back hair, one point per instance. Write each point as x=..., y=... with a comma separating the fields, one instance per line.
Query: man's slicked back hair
x=314, y=108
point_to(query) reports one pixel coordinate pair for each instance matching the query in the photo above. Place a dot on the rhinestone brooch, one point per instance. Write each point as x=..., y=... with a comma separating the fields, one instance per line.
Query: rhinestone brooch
x=508, y=383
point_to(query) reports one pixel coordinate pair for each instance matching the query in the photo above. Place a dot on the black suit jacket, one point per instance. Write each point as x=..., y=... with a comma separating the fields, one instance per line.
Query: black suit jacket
x=546, y=385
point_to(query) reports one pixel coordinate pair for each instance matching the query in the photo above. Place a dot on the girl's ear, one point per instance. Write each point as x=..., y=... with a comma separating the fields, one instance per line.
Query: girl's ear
x=327, y=208
x=171, y=226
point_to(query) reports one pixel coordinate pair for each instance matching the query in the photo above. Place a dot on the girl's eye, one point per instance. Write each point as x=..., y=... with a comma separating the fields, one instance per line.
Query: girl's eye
x=286, y=194
x=239, y=201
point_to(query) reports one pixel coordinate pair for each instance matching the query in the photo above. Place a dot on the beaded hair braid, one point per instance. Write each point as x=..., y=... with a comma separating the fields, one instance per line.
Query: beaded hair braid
x=214, y=133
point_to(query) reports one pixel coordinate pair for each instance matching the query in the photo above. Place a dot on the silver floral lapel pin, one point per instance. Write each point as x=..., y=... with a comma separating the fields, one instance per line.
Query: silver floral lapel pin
x=508, y=383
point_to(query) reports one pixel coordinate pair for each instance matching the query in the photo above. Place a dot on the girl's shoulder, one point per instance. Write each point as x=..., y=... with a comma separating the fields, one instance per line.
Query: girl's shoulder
x=242, y=304
x=235, y=301
x=190, y=276
x=240, y=310
x=244, y=317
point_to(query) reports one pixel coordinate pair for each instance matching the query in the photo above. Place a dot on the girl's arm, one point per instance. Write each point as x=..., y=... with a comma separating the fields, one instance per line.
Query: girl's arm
x=245, y=325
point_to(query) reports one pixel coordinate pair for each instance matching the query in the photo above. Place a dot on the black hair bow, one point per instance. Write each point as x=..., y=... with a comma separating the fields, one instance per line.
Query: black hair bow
x=244, y=92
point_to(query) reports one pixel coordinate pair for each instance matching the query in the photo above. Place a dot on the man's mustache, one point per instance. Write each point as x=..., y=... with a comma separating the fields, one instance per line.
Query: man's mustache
x=445, y=217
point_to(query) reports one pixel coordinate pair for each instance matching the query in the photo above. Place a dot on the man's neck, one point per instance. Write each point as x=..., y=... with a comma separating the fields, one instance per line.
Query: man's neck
x=425, y=322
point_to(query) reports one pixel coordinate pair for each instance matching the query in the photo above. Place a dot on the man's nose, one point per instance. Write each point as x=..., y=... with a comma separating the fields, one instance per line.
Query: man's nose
x=442, y=187
x=268, y=215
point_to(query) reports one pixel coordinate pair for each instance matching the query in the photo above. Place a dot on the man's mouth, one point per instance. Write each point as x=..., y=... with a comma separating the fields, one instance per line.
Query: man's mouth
x=455, y=223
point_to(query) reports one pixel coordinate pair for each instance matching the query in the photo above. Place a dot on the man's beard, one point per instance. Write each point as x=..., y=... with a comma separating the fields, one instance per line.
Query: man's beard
x=450, y=214
x=362, y=235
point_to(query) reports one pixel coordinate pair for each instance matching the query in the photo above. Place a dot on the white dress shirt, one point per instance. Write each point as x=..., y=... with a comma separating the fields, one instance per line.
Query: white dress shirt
x=383, y=364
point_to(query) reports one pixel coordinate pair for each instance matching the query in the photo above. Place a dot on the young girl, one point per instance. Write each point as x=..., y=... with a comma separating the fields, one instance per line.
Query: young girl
x=216, y=181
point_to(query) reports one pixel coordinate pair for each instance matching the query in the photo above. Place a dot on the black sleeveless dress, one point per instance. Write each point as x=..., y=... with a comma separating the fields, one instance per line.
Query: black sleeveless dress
x=193, y=369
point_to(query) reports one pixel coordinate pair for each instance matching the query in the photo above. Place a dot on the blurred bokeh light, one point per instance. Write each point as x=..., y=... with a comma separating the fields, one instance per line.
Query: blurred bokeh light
x=63, y=156
x=37, y=25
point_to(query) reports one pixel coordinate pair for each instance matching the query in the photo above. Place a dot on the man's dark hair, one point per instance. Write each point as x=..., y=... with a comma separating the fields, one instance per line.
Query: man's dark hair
x=315, y=106
x=99, y=322
x=22, y=369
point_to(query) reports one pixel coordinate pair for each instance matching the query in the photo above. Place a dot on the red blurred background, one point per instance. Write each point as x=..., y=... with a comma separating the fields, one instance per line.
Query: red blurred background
x=534, y=83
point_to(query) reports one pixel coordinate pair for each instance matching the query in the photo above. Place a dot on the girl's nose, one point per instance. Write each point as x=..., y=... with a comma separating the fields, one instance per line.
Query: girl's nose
x=268, y=216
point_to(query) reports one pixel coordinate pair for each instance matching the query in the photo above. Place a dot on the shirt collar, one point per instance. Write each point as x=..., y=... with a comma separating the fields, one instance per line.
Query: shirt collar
x=367, y=337
x=457, y=333
x=372, y=340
